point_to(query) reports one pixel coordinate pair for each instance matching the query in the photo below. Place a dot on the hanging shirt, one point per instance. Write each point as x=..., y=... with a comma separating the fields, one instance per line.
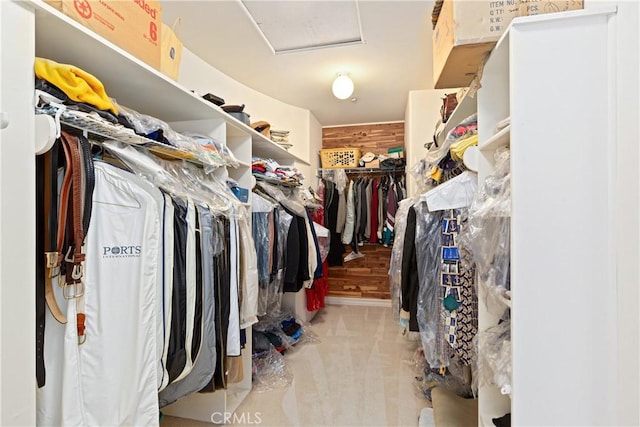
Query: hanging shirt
x=374, y=212
x=233, y=337
x=381, y=207
x=347, y=235
x=342, y=212
x=248, y=276
x=392, y=206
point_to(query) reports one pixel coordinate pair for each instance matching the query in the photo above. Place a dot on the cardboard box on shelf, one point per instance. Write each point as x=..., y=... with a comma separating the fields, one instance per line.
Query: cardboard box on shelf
x=133, y=25
x=467, y=31
x=374, y=164
x=540, y=7
x=171, y=50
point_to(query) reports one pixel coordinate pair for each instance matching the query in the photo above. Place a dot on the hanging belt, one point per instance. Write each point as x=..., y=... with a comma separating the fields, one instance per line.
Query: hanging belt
x=53, y=257
x=66, y=261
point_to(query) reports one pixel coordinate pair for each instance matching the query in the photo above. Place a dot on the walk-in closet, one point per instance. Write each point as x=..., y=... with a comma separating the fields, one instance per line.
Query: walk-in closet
x=327, y=213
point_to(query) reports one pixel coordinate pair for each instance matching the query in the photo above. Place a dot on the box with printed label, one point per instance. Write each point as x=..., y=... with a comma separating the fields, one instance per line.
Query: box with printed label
x=540, y=7
x=466, y=32
x=133, y=25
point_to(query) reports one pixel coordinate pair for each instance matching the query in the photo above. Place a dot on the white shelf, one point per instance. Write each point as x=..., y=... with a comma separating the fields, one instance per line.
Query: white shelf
x=467, y=106
x=499, y=140
x=265, y=148
x=133, y=83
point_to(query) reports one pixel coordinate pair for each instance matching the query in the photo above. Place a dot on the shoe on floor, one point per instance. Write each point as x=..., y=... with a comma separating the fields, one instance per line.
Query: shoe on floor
x=353, y=255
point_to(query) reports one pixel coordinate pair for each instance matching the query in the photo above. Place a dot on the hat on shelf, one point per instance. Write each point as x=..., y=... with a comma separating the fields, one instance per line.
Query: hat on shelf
x=367, y=158
x=262, y=127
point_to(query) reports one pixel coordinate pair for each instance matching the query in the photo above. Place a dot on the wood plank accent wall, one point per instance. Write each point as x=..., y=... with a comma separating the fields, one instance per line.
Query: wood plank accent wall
x=364, y=277
x=376, y=138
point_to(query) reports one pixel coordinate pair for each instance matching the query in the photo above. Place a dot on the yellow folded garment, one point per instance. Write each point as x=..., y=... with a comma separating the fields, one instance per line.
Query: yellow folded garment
x=77, y=84
x=436, y=173
x=458, y=148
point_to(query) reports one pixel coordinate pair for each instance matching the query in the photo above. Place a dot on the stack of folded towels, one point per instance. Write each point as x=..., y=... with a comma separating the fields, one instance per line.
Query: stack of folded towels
x=281, y=137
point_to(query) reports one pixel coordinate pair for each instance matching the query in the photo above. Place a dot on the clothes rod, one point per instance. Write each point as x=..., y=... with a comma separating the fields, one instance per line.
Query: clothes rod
x=362, y=170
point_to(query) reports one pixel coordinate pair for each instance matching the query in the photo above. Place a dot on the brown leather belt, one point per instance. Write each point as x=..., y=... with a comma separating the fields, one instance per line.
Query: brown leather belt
x=65, y=261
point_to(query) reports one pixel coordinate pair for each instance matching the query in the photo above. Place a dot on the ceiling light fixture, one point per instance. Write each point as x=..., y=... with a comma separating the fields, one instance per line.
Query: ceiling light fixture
x=342, y=86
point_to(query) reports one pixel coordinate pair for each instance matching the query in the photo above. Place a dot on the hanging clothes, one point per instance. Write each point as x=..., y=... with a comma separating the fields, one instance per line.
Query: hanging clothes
x=121, y=270
x=331, y=209
x=205, y=364
x=373, y=231
x=446, y=304
x=347, y=236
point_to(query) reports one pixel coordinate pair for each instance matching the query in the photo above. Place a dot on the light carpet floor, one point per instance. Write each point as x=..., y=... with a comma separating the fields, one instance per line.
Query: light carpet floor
x=356, y=375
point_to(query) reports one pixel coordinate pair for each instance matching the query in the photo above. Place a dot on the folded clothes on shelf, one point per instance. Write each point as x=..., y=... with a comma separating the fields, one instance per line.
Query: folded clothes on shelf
x=272, y=171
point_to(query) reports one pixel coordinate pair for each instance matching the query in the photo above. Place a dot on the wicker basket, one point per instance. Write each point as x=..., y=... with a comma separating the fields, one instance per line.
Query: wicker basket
x=340, y=157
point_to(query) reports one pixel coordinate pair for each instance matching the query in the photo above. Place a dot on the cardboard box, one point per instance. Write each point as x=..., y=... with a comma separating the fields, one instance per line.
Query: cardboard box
x=467, y=31
x=540, y=7
x=373, y=164
x=171, y=50
x=133, y=25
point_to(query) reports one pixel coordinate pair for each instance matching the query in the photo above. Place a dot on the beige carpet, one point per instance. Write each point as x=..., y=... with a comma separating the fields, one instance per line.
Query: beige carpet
x=355, y=376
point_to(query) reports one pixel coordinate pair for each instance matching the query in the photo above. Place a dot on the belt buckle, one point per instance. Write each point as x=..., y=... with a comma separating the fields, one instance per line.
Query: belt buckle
x=52, y=263
x=78, y=290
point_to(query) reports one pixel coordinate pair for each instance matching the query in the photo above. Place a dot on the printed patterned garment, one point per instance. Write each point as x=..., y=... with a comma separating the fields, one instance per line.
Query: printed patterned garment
x=459, y=302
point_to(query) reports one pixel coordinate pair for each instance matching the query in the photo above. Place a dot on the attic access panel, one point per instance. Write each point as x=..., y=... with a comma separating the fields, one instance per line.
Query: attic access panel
x=289, y=26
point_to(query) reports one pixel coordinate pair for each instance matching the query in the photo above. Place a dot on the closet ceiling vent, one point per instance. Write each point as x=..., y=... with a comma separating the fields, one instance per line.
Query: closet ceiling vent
x=290, y=26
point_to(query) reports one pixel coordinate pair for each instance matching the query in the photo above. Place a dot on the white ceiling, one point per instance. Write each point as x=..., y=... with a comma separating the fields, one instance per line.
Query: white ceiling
x=394, y=59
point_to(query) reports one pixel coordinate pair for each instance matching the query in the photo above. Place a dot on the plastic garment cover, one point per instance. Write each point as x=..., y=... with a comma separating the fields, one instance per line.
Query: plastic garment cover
x=337, y=176
x=288, y=197
x=159, y=130
x=489, y=235
x=270, y=371
x=421, y=175
x=428, y=235
x=324, y=238
x=285, y=330
x=494, y=357
x=447, y=301
x=276, y=286
x=261, y=237
x=395, y=265
x=219, y=151
x=248, y=276
x=270, y=228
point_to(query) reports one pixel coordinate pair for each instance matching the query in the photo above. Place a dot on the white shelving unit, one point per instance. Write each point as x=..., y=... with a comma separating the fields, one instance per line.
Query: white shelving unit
x=555, y=76
x=467, y=106
x=137, y=85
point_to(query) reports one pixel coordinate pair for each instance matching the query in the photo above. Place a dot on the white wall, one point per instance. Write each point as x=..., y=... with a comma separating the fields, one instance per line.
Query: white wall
x=196, y=74
x=17, y=217
x=315, y=145
x=628, y=190
x=421, y=115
